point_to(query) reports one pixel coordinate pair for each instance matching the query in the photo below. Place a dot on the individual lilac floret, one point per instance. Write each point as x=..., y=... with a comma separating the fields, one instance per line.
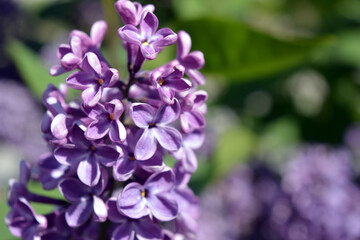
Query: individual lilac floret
x=93, y=79
x=24, y=222
x=80, y=43
x=186, y=153
x=127, y=163
x=85, y=200
x=18, y=189
x=155, y=128
x=169, y=82
x=153, y=198
x=51, y=172
x=60, y=116
x=190, y=61
x=147, y=38
x=193, y=108
x=131, y=12
x=87, y=156
x=127, y=228
x=106, y=119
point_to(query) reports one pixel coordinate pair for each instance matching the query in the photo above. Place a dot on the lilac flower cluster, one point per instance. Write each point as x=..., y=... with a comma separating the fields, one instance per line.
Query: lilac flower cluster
x=107, y=151
x=315, y=199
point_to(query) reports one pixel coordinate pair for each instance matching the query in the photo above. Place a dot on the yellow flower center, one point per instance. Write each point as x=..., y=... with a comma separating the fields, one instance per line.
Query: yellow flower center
x=101, y=82
x=145, y=43
x=143, y=193
x=161, y=81
x=111, y=116
x=93, y=148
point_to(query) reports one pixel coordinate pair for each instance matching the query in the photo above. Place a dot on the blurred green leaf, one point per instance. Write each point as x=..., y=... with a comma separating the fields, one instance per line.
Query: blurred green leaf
x=347, y=48
x=190, y=9
x=239, y=52
x=31, y=68
x=234, y=146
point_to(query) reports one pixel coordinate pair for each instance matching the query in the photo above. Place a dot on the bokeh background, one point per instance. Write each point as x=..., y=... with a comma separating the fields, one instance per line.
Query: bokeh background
x=281, y=157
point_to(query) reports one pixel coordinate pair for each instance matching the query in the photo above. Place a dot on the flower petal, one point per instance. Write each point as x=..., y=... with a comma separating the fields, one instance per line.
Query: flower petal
x=124, y=169
x=164, y=207
x=58, y=126
x=196, y=76
x=97, y=32
x=160, y=182
x=92, y=95
x=80, y=80
x=72, y=189
x=148, y=25
x=179, y=85
x=117, y=131
x=88, y=171
x=183, y=44
x=167, y=113
x=113, y=213
x=91, y=64
x=142, y=114
x=107, y=155
x=69, y=154
x=149, y=51
x=168, y=137
x=78, y=213
x=146, y=146
x=130, y=34
x=195, y=60
x=99, y=208
x=164, y=37
x=131, y=203
x=97, y=129
x=123, y=232
x=147, y=229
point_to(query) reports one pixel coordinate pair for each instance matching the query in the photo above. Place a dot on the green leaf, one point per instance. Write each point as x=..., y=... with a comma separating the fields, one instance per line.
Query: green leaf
x=31, y=68
x=239, y=52
x=234, y=146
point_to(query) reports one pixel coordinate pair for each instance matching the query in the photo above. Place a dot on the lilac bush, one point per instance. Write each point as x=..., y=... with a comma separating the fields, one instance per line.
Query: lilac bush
x=106, y=150
x=315, y=198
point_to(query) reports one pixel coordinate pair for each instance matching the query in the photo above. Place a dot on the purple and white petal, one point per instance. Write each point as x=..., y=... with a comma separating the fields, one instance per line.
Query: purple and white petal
x=131, y=202
x=146, y=146
x=164, y=207
x=78, y=213
x=97, y=32
x=168, y=113
x=88, y=171
x=169, y=138
x=142, y=114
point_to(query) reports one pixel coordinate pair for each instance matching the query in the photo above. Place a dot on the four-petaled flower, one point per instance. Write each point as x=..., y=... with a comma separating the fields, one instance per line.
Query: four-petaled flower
x=146, y=37
x=93, y=79
x=106, y=119
x=169, y=82
x=153, y=198
x=155, y=128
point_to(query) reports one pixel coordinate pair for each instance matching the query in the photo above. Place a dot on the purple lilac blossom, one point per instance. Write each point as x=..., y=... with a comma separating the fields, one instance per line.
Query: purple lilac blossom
x=147, y=38
x=153, y=198
x=20, y=117
x=169, y=82
x=105, y=151
x=71, y=55
x=155, y=128
x=316, y=198
x=92, y=79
